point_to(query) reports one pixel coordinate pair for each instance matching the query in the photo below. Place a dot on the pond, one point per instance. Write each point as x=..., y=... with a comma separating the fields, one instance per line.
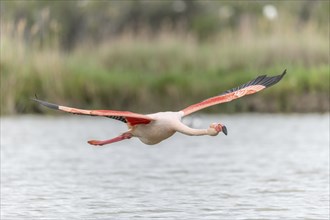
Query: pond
x=268, y=167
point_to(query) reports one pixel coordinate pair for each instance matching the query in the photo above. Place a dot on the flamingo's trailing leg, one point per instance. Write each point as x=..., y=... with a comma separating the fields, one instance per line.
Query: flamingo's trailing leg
x=113, y=140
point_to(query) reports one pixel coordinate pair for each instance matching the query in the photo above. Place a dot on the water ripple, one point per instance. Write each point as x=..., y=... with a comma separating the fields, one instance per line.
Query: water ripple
x=283, y=175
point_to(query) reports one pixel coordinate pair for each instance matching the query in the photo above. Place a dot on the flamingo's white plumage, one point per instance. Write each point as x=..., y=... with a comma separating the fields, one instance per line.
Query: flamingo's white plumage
x=154, y=128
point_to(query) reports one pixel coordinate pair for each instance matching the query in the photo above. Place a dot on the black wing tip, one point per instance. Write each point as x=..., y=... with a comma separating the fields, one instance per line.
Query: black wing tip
x=47, y=104
x=263, y=80
x=281, y=76
x=272, y=80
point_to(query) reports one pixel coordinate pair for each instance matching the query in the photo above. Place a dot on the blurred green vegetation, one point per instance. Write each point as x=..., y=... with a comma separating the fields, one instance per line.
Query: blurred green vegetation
x=147, y=56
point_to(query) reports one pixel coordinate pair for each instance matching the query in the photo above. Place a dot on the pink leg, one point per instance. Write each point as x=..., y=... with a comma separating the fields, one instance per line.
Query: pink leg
x=113, y=140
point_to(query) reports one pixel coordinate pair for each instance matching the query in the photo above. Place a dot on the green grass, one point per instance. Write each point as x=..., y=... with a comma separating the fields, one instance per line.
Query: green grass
x=167, y=73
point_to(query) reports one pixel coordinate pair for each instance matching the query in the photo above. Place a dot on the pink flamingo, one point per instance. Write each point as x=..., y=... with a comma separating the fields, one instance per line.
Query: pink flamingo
x=154, y=128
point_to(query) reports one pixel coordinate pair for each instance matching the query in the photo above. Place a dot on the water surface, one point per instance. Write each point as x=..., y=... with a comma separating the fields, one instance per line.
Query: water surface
x=268, y=167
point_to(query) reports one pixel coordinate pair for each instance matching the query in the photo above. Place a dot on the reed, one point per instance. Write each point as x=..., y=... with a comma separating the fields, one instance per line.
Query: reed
x=167, y=72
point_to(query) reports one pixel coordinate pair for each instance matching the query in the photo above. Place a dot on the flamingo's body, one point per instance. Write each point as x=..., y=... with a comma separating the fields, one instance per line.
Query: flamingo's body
x=154, y=128
x=160, y=128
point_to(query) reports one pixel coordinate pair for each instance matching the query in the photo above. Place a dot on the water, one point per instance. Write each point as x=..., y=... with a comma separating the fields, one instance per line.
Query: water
x=268, y=167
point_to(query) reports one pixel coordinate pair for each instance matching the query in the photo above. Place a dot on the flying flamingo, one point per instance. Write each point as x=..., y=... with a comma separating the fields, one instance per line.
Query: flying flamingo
x=154, y=128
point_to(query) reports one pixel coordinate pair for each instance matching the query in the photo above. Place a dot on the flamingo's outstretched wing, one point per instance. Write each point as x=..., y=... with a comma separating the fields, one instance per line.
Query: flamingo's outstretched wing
x=256, y=85
x=127, y=117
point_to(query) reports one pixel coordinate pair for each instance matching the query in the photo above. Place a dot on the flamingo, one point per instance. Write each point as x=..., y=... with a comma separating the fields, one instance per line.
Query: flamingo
x=154, y=128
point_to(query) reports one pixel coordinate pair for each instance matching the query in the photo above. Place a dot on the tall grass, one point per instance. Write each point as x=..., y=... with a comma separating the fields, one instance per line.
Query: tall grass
x=168, y=72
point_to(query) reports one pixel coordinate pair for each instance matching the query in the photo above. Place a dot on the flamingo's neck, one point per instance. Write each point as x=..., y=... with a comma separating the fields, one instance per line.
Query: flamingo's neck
x=182, y=128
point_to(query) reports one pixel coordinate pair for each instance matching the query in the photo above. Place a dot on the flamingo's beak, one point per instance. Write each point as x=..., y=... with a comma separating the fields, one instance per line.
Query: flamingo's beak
x=224, y=130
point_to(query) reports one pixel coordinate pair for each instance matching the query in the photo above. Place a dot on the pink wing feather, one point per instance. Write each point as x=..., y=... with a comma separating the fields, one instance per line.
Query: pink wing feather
x=249, y=88
x=124, y=116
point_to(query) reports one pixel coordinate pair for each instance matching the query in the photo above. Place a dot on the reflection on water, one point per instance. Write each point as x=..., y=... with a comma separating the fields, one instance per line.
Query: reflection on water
x=268, y=167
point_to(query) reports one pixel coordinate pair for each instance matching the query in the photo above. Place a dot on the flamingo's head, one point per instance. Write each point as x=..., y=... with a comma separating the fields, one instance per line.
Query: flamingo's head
x=216, y=128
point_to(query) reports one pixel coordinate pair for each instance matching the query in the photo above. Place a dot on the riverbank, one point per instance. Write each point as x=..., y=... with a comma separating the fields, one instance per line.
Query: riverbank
x=167, y=73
